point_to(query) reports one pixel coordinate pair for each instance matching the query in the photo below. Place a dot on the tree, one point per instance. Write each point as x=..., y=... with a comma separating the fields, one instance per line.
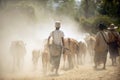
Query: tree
x=110, y=8
x=66, y=7
x=88, y=8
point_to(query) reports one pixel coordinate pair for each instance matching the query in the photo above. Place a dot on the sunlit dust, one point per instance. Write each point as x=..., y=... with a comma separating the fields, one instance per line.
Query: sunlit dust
x=17, y=24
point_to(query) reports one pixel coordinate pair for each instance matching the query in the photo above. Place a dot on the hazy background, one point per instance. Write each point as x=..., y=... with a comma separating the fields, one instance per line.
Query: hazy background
x=31, y=22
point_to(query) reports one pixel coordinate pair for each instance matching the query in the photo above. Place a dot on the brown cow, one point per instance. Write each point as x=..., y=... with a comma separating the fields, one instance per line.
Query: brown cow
x=71, y=49
x=46, y=58
x=82, y=52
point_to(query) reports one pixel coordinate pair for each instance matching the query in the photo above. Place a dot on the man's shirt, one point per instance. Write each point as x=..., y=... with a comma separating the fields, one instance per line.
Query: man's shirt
x=101, y=45
x=57, y=36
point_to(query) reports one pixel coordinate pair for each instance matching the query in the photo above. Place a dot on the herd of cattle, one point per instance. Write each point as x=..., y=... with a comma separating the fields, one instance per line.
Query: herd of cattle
x=74, y=52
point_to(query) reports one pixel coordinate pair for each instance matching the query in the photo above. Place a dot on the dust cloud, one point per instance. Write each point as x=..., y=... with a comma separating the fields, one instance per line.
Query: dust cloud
x=31, y=25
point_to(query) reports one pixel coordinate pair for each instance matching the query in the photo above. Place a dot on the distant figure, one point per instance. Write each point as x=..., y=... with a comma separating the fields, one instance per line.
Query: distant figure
x=90, y=40
x=113, y=47
x=56, y=46
x=18, y=51
x=35, y=57
x=82, y=52
x=101, y=47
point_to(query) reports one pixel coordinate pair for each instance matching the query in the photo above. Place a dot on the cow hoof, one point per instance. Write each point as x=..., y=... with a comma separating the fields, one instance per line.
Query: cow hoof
x=95, y=67
x=104, y=68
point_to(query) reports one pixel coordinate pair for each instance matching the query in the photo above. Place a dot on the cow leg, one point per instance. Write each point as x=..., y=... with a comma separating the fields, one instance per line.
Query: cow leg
x=33, y=63
x=47, y=64
x=45, y=68
x=78, y=59
x=96, y=61
x=104, y=63
x=21, y=62
x=95, y=64
x=14, y=64
x=56, y=72
x=43, y=63
x=83, y=58
x=119, y=60
x=17, y=63
x=114, y=61
x=70, y=61
x=74, y=59
x=91, y=55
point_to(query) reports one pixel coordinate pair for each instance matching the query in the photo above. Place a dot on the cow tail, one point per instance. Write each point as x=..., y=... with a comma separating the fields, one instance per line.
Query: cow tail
x=69, y=42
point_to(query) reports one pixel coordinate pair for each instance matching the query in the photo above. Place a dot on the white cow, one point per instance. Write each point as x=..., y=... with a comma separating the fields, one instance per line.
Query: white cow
x=18, y=51
x=35, y=57
x=82, y=52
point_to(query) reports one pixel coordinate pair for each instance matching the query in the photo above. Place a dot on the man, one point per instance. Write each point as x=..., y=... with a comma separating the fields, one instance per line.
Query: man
x=101, y=47
x=56, y=46
x=113, y=47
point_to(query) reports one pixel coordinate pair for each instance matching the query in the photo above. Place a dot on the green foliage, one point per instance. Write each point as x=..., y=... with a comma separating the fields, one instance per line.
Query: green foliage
x=86, y=23
x=88, y=8
x=101, y=11
x=91, y=24
x=66, y=7
x=88, y=13
x=110, y=8
x=101, y=19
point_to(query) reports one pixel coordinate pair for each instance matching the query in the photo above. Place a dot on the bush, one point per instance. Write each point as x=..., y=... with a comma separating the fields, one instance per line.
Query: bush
x=91, y=24
x=86, y=24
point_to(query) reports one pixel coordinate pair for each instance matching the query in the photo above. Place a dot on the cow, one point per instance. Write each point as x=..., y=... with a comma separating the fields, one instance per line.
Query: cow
x=35, y=57
x=70, y=51
x=18, y=51
x=82, y=52
x=90, y=40
x=45, y=57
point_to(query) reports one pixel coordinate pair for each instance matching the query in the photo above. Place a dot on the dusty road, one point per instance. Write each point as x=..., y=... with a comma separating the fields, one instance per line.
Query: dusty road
x=78, y=73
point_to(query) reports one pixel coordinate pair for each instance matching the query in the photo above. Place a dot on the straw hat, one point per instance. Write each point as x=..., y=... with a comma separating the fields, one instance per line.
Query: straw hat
x=112, y=26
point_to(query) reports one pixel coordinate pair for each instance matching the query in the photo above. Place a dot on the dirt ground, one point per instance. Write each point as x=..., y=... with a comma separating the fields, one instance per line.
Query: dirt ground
x=83, y=72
